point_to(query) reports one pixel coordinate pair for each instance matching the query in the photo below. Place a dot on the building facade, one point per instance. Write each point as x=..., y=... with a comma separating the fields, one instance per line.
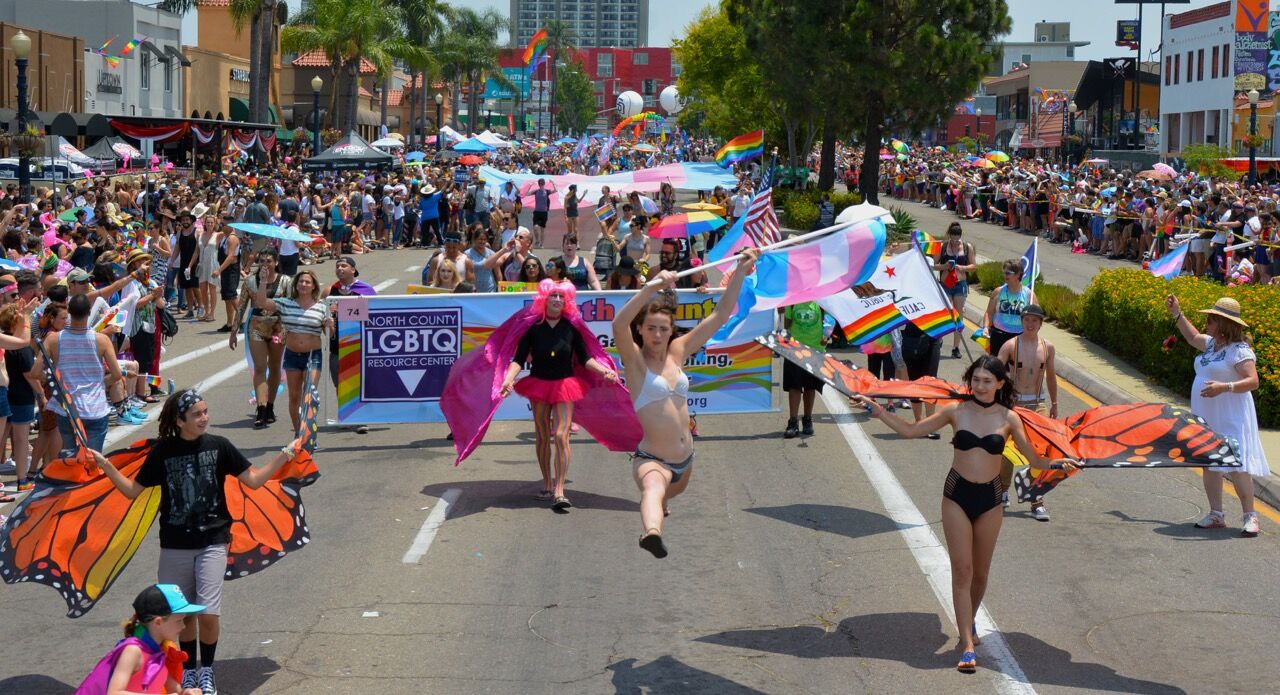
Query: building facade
x=148, y=82
x=1029, y=110
x=55, y=72
x=1052, y=43
x=1197, y=94
x=595, y=23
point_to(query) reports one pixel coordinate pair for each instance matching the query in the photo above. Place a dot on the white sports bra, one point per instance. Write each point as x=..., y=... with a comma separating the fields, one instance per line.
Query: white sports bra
x=655, y=388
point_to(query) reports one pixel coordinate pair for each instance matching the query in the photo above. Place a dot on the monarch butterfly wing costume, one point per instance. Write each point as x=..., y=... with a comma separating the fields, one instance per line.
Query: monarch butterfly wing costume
x=268, y=523
x=76, y=532
x=852, y=381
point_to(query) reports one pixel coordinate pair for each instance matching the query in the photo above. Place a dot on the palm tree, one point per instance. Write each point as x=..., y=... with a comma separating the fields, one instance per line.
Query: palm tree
x=469, y=51
x=561, y=39
x=424, y=21
x=262, y=17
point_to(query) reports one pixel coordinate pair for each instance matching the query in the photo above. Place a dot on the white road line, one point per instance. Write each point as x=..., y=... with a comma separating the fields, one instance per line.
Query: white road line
x=118, y=433
x=194, y=354
x=384, y=285
x=930, y=555
x=434, y=521
x=413, y=269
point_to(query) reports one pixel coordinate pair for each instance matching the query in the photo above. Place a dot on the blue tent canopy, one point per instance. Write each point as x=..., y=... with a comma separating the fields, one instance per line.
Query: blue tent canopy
x=471, y=145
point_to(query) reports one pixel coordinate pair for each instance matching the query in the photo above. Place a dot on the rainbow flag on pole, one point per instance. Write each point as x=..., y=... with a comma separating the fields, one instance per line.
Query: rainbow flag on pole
x=131, y=46
x=741, y=149
x=863, y=319
x=928, y=244
x=537, y=45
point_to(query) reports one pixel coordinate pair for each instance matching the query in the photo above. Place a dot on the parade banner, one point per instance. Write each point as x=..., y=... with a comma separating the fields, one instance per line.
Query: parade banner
x=1252, y=45
x=394, y=353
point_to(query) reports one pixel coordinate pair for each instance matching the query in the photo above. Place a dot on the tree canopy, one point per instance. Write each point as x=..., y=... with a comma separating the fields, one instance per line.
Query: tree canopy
x=576, y=99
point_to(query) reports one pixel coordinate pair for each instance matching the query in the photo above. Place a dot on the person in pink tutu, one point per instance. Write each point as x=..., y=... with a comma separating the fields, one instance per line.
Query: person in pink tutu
x=552, y=346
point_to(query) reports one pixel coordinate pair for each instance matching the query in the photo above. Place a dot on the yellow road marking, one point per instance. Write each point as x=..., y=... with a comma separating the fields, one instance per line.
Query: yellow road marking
x=1261, y=507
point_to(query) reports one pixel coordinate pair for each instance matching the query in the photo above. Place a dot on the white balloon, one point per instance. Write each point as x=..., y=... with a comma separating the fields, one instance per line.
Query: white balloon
x=671, y=100
x=629, y=104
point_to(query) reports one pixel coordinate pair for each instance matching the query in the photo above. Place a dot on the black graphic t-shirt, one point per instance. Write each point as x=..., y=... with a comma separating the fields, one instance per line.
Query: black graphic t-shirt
x=190, y=473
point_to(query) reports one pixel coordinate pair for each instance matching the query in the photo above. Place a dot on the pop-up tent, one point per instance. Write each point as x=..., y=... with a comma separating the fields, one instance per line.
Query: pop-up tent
x=351, y=152
x=112, y=148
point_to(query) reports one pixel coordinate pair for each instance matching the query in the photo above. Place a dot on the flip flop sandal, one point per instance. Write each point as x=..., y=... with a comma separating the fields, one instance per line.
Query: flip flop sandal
x=652, y=542
x=6, y=498
x=562, y=505
x=543, y=495
x=968, y=663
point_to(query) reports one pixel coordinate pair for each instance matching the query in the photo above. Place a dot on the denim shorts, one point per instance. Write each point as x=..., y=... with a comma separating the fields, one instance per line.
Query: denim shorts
x=302, y=361
x=22, y=413
x=4, y=402
x=960, y=289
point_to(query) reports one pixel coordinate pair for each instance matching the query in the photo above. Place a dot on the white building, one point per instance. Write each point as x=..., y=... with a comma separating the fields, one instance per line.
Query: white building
x=1052, y=43
x=1196, y=81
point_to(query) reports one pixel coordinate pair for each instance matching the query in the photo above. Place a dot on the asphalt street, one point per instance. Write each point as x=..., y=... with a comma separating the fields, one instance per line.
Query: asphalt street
x=809, y=565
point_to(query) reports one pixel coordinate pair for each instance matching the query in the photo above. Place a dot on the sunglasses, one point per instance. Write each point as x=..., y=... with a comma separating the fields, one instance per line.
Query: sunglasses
x=1010, y=272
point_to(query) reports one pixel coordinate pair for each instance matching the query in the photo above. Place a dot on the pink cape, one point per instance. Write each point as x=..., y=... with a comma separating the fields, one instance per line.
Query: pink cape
x=605, y=412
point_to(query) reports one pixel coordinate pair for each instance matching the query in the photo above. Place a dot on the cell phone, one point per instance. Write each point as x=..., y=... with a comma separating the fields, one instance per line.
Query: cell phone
x=952, y=262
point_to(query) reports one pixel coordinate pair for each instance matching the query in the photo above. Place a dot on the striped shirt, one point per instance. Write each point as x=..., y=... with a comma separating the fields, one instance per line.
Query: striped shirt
x=82, y=372
x=302, y=321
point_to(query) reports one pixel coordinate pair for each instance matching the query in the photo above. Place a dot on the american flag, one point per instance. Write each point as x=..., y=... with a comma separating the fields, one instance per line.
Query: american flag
x=761, y=224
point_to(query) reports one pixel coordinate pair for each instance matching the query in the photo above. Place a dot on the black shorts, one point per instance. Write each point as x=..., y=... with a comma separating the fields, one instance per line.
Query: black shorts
x=229, y=283
x=539, y=218
x=922, y=357
x=289, y=265
x=796, y=378
x=188, y=283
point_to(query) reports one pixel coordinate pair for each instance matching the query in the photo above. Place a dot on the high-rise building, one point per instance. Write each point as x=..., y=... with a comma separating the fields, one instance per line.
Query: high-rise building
x=596, y=23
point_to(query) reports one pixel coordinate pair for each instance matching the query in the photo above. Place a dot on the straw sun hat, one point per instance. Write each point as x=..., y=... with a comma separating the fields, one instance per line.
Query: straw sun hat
x=1228, y=309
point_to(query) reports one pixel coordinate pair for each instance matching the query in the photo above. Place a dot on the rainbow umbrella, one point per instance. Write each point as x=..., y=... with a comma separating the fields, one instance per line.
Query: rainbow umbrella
x=997, y=156
x=704, y=207
x=984, y=164
x=899, y=146
x=645, y=147
x=686, y=224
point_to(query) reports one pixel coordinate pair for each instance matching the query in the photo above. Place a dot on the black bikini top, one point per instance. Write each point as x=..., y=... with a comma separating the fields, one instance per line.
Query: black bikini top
x=966, y=440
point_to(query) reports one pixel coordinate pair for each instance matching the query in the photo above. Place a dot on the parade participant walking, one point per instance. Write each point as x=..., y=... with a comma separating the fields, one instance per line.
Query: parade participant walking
x=552, y=345
x=148, y=659
x=478, y=252
x=1003, y=318
x=189, y=466
x=305, y=319
x=571, y=202
x=955, y=260
x=1226, y=375
x=645, y=333
x=541, y=207
x=971, y=509
x=264, y=334
x=804, y=322
x=227, y=273
x=1030, y=359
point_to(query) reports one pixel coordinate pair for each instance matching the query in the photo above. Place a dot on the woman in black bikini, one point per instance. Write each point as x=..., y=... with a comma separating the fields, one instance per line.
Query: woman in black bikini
x=972, y=511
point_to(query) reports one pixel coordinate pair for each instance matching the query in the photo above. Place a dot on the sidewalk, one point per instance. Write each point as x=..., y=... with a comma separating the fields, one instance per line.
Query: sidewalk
x=1110, y=380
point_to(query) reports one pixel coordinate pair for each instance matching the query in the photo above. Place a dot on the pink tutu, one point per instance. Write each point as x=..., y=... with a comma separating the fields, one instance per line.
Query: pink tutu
x=568, y=390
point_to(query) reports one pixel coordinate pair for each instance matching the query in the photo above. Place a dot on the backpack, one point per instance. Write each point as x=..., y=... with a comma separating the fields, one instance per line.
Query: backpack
x=605, y=256
x=168, y=325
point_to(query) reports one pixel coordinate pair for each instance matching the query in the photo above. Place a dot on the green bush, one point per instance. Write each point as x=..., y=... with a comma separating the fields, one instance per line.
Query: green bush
x=990, y=275
x=801, y=214
x=844, y=200
x=1060, y=302
x=1123, y=310
x=782, y=199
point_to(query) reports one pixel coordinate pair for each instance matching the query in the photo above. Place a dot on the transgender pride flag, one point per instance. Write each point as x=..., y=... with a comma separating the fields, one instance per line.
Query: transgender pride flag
x=808, y=271
x=1169, y=266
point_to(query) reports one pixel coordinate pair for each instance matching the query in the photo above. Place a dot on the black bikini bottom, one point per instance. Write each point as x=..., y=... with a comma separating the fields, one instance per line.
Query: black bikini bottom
x=975, y=499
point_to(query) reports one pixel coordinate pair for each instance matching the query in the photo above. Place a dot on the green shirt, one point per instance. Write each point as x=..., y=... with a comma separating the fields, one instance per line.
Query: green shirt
x=806, y=324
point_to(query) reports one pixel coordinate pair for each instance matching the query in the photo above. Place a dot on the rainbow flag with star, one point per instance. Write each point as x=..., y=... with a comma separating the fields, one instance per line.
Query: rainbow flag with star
x=537, y=45
x=743, y=148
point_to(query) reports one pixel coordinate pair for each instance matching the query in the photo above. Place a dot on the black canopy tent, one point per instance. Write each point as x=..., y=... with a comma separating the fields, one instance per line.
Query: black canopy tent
x=351, y=152
x=102, y=149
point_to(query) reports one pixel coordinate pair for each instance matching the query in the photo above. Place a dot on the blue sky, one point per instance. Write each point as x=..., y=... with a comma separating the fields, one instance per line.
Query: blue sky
x=1091, y=20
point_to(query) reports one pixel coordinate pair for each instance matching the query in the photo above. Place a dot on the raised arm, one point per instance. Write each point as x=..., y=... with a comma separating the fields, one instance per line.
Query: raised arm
x=1188, y=330
x=941, y=417
x=626, y=345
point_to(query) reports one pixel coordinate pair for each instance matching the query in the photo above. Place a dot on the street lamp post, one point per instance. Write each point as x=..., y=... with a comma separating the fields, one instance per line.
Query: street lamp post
x=1074, y=111
x=21, y=48
x=978, y=135
x=316, y=85
x=1253, y=134
x=439, y=115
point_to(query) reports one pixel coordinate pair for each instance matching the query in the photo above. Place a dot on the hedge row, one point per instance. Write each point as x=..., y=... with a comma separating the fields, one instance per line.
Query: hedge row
x=800, y=208
x=1123, y=310
x=1060, y=302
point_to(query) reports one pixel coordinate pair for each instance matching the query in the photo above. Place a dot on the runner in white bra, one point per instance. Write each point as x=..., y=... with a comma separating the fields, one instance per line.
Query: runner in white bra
x=645, y=333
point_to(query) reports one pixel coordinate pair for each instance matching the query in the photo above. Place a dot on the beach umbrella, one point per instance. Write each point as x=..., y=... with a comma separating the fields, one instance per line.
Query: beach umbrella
x=899, y=146
x=470, y=160
x=270, y=230
x=645, y=147
x=70, y=215
x=704, y=207
x=1165, y=169
x=984, y=164
x=1110, y=190
x=1155, y=175
x=415, y=157
x=997, y=156
x=1096, y=160
x=686, y=224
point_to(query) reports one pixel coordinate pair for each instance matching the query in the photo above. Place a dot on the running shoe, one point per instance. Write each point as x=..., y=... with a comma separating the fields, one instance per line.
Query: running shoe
x=132, y=417
x=27, y=484
x=204, y=676
x=1039, y=513
x=806, y=425
x=792, y=430
x=1212, y=520
x=1250, y=530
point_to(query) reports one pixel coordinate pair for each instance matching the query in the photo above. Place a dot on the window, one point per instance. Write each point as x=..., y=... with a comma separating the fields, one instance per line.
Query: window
x=640, y=59
x=1168, y=61
x=168, y=76
x=1200, y=65
x=1214, y=67
x=1226, y=59
x=1177, y=67
x=649, y=87
x=1026, y=58
x=1071, y=52
x=144, y=67
x=604, y=64
x=1190, y=66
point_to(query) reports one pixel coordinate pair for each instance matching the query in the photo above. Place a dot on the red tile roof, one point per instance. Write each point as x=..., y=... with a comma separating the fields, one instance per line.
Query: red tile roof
x=394, y=96
x=215, y=3
x=365, y=93
x=317, y=59
x=1202, y=14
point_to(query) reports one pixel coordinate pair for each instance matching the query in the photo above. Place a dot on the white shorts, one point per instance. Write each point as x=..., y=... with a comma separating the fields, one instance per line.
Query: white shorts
x=199, y=573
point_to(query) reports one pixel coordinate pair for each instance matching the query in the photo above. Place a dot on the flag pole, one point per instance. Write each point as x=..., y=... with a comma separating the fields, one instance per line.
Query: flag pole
x=937, y=286
x=790, y=241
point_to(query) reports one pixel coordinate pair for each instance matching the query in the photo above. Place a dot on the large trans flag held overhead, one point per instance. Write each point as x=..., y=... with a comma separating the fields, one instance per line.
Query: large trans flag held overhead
x=700, y=176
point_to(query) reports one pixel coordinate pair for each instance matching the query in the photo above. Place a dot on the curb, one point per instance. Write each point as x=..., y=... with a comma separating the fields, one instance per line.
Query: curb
x=1266, y=488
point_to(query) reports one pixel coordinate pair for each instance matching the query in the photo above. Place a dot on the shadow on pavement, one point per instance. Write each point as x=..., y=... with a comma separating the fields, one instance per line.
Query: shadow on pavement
x=845, y=521
x=36, y=685
x=1181, y=530
x=669, y=675
x=917, y=640
x=482, y=495
x=245, y=675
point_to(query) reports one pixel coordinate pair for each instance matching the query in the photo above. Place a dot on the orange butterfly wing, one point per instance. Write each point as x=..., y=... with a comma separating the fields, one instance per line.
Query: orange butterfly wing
x=268, y=523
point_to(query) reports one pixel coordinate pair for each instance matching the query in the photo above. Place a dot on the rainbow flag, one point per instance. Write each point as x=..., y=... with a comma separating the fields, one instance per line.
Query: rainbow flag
x=131, y=46
x=103, y=48
x=928, y=244
x=936, y=324
x=741, y=149
x=112, y=61
x=604, y=213
x=863, y=319
x=537, y=44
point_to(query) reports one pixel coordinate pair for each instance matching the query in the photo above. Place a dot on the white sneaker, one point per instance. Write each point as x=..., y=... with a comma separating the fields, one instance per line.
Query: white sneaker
x=1212, y=520
x=1039, y=513
x=1251, y=526
x=204, y=678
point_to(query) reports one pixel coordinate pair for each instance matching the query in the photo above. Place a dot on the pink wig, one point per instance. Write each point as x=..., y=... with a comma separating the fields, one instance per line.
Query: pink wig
x=546, y=287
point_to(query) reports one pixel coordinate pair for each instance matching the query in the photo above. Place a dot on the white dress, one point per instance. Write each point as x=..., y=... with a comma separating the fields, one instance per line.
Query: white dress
x=1229, y=414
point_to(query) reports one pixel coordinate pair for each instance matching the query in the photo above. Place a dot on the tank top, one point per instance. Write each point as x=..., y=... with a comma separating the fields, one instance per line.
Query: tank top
x=635, y=247
x=1009, y=308
x=81, y=370
x=577, y=273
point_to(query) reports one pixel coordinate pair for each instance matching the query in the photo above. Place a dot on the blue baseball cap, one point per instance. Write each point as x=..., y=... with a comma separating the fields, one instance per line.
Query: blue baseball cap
x=159, y=600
